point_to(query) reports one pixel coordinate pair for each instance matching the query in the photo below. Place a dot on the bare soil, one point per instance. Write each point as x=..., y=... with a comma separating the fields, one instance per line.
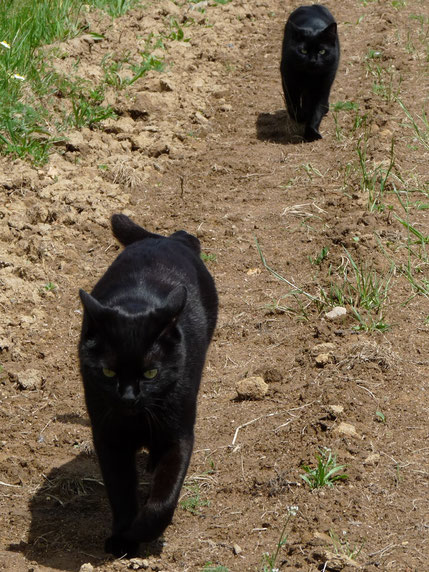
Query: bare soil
x=206, y=146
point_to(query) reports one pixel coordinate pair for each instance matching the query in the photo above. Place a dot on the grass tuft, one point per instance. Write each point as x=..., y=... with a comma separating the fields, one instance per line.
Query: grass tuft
x=326, y=472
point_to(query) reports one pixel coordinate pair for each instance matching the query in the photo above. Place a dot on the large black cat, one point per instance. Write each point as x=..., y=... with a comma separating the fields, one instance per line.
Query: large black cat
x=146, y=328
x=310, y=57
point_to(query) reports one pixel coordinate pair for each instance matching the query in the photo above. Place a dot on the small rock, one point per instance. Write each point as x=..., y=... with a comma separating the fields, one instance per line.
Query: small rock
x=323, y=359
x=227, y=107
x=253, y=271
x=336, y=313
x=200, y=5
x=323, y=348
x=160, y=147
x=168, y=8
x=76, y=142
x=337, y=562
x=347, y=429
x=251, y=388
x=372, y=459
x=29, y=379
x=200, y=118
x=138, y=564
x=166, y=85
x=142, y=105
x=237, y=549
x=336, y=409
x=87, y=567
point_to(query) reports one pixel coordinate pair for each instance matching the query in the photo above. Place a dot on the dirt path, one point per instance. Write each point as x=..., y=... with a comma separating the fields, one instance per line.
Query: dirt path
x=206, y=147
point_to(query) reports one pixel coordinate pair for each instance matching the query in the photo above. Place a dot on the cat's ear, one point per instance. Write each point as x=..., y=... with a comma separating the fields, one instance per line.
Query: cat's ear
x=329, y=34
x=168, y=315
x=176, y=301
x=189, y=239
x=295, y=32
x=92, y=306
x=127, y=231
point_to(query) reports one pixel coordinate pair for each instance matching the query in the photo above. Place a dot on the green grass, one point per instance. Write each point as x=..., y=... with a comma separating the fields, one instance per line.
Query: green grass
x=375, y=181
x=192, y=501
x=342, y=546
x=208, y=257
x=115, y=8
x=270, y=558
x=346, y=106
x=357, y=286
x=31, y=91
x=325, y=474
x=319, y=258
x=380, y=417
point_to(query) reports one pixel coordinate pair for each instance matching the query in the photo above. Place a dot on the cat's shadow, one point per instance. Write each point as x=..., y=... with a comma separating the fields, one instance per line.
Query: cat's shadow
x=278, y=127
x=70, y=517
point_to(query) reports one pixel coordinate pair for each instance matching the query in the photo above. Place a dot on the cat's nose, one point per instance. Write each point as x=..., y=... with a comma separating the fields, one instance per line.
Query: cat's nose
x=128, y=394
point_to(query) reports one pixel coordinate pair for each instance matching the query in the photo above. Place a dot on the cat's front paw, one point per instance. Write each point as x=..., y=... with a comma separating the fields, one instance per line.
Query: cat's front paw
x=120, y=546
x=311, y=134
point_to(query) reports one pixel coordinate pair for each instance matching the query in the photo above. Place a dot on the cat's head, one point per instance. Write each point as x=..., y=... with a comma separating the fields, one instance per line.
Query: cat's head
x=314, y=50
x=132, y=356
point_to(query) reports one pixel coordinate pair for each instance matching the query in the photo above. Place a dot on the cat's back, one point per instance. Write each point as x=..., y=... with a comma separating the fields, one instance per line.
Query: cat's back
x=151, y=266
x=159, y=260
x=315, y=17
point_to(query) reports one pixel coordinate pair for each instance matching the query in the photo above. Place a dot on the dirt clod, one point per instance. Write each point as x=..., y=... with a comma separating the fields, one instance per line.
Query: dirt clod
x=251, y=388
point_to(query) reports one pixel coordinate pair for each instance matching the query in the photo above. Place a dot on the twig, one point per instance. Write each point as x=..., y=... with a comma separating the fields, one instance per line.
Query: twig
x=383, y=550
x=250, y=423
x=9, y=485
x=368, y=390
x=255, y=175
x=282, y=278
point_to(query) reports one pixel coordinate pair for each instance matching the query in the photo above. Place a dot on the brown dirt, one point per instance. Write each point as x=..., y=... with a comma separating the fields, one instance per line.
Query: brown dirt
x=205, y=146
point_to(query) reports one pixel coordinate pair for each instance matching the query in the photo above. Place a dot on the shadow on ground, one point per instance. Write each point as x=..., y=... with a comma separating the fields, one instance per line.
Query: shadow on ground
x=278, y=127
x=70, y=517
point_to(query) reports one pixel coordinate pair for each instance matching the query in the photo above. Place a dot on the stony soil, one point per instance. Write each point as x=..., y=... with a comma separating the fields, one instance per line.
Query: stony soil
x=207, y=146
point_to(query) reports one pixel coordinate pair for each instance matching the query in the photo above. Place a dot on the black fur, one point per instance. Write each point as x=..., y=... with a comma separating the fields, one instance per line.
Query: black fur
x=154, y=310
x=310, y=57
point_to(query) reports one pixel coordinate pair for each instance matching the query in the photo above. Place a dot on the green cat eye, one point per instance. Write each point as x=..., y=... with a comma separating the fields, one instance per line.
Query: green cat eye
x=321, y=52
x=108, y=372
x=303, y=51
x=150, y=373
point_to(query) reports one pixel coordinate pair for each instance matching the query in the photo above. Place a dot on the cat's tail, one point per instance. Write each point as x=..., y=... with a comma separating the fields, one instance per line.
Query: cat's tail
x=127, y=231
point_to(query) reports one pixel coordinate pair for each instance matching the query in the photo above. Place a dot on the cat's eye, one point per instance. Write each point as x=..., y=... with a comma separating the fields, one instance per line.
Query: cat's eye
x=321, y=52
x=108, y=372
x=150, y=373
x=303, y=51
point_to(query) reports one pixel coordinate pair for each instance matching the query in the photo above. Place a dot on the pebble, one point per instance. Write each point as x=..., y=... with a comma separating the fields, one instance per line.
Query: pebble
x=251, y=388
x=30, y=379
x=347, y=429
x=336, y=409
x=324, y=348
x=336, y=313
x=166, y=85
x=87, y=567
x=138, y=564
x=237, y=549
x=323, y=359
x=372, y=459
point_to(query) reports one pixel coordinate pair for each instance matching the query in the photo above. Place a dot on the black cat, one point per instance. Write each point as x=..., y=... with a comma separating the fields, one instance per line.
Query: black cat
x=146, y=328
x=310, y=56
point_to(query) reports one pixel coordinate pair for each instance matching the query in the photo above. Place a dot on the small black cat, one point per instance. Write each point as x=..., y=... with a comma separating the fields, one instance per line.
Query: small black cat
x=146, y=328
x=310, y=57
